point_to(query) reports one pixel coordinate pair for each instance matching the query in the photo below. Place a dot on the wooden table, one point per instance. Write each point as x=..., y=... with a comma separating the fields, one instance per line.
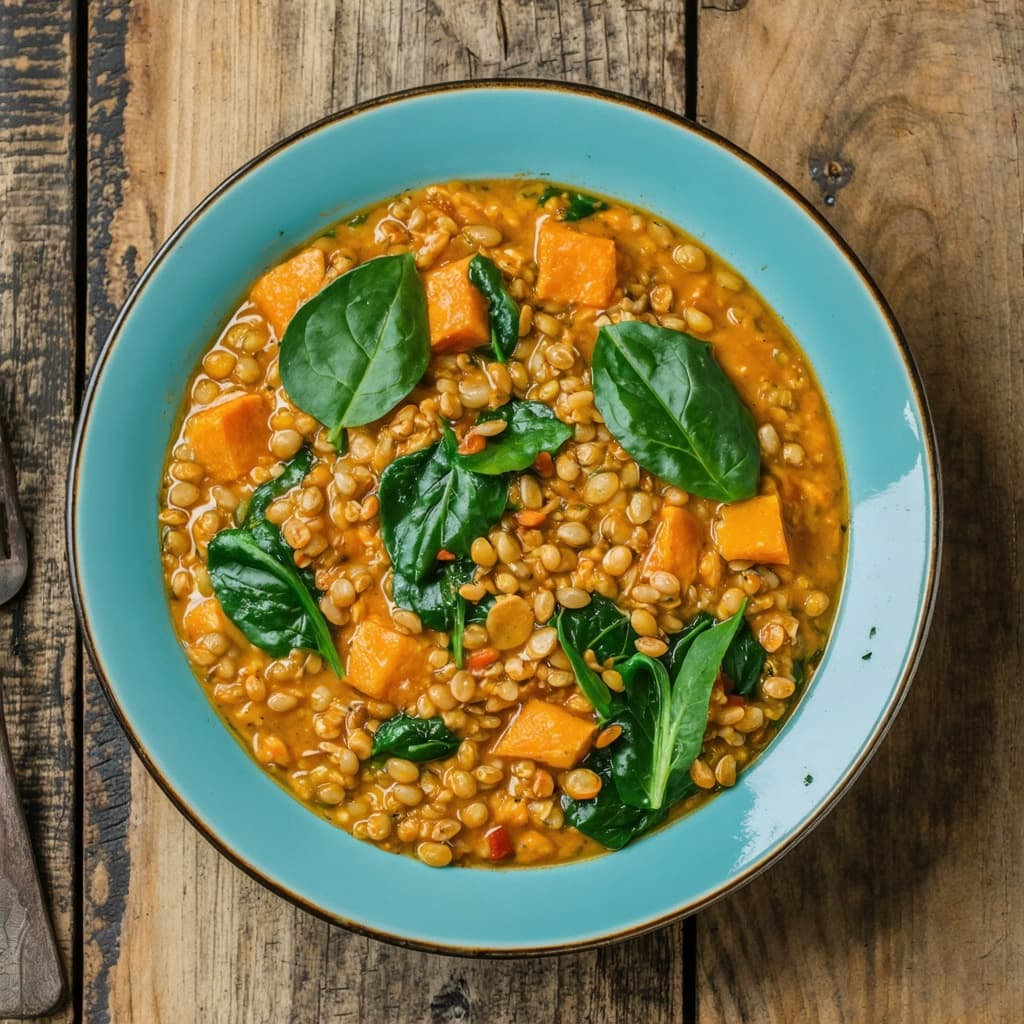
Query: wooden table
x=899, y=121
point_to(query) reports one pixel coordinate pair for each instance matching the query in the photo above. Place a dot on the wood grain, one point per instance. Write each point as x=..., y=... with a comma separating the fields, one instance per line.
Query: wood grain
x=37, y=372
x=179, y=95
x=31, y=975
x=908, y=902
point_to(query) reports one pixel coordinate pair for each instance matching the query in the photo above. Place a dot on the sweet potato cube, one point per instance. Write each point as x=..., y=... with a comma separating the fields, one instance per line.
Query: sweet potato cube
x=379, y=657
x=574, y=267
x=457, y=312
x=204, y=617
x=229, y=438
x=281, y=291
x=753, y=531
x=548, y=733
x=676, y=546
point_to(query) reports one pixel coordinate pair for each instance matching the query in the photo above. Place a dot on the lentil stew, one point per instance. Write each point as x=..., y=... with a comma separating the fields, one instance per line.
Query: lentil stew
x=503, y=522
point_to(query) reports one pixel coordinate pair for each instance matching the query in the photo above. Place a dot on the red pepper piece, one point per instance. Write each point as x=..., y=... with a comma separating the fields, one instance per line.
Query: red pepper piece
x=499, y=843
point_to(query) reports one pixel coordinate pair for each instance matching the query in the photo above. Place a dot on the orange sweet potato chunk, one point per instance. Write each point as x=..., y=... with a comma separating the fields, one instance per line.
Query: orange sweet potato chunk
x=676, y=546
x=547, y=733
x=229, y=438
x=279, y=292
x=574, y=267
x=457, y=312
x=204, y=617
x=207, y=616
x=379, y=657
x=753, y=531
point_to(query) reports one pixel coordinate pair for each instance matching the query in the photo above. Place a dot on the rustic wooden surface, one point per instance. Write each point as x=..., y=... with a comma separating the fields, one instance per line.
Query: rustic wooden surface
x=38, y=646
x=899, y=121
x=31, y=974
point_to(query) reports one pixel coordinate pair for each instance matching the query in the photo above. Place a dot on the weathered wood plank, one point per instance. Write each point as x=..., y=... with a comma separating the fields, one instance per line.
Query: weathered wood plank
x=37, y=369
x=908, y=902
x=160, y=96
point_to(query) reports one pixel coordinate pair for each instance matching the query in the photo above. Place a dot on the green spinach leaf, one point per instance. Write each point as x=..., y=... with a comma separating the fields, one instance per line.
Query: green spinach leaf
x=593, y=686
x=429, y=502
x=501, y=307
x=680, y=643
x=579, y=204
x=744, y=661
x=253, y=573
x=266, y=534
x=532, y=428
x=478, y=612
x=665, y=720
x=671, y=406
x=415, y=739
x=437, y=600
x=606, y=818
x=799, y=674
x=359, y=346
x=601, y=627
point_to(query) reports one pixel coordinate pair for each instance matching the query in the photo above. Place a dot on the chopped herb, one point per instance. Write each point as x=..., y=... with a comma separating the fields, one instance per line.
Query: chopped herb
x=579, y=205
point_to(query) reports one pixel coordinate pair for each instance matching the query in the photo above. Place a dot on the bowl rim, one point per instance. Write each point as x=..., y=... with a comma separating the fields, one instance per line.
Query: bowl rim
x=928, y=443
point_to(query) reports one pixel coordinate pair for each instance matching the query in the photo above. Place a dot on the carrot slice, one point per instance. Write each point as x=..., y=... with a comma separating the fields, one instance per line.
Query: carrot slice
x=484, y=658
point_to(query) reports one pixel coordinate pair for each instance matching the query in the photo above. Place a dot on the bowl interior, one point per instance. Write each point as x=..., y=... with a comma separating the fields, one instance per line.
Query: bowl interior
x=612, y=147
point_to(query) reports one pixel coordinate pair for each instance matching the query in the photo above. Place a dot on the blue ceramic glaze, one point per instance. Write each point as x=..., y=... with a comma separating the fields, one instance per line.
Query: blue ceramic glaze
x=609, y=145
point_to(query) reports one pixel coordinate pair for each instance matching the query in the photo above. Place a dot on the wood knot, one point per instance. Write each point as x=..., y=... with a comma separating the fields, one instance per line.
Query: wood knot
x=451, y=1004
x=830, y=174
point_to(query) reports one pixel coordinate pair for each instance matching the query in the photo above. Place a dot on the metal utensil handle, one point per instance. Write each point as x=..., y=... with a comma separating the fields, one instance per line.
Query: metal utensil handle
x=31, y=977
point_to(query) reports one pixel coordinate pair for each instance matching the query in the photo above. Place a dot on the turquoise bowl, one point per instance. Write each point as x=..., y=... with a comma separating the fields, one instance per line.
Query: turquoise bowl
x=611, y=145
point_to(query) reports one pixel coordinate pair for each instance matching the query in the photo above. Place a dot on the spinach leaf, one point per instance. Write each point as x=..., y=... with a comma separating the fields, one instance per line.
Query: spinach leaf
x=744, y=660
x=253, y=572
x=501, y=307
x=593, y=686
x=430, y=598
x=266, y=534
x=799, y=674
x=437, y=600
x=606, y=818
x=671, y=406
x=680, y=643
x=359, y=346
x=478, y=612
x=665, y=720
x=532, y=428
x=601, y=627
x=415, y=739
x=579, y=205
x=429, y=502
